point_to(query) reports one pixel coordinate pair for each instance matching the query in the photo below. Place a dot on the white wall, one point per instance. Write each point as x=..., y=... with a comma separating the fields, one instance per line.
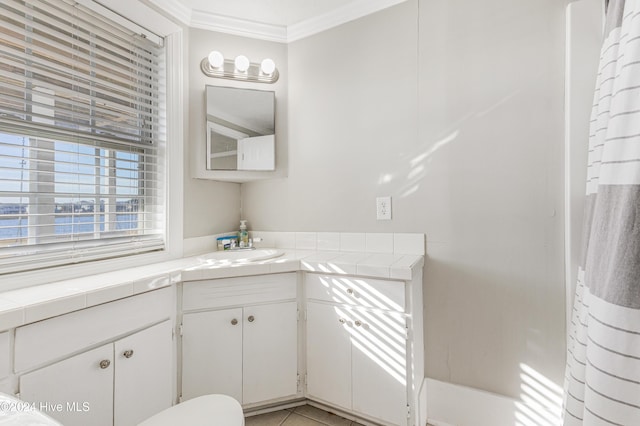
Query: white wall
x=352, y=122
x=454, y=108
x=491, y=109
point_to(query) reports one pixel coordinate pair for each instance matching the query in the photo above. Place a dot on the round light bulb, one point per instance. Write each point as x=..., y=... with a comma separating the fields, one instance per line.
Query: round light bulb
x=216, y=60
x=268, y=66
x=242, y=63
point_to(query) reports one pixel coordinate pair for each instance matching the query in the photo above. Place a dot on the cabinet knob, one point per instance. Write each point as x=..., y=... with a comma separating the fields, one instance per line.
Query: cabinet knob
x=358, y=323
x=251, y=318
x=128, y=353
x=105, y=363
x=350, y=291
x=234, y=321
x=341, y=320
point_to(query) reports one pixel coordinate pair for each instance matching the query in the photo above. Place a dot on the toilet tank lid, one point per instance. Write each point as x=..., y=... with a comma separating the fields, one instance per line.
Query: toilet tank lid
x=199, y=412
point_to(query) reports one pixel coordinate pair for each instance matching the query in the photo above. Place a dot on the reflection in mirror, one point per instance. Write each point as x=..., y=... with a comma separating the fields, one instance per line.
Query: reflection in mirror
x=240, y=129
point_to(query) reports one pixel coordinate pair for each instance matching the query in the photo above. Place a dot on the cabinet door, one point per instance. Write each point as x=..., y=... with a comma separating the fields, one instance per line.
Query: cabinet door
x=5, y=355
x=212, y=353
x=379, y=365
x=270, y=352
x=329, y=354
x=143, y=375
x=76, y=391
x=256, y=153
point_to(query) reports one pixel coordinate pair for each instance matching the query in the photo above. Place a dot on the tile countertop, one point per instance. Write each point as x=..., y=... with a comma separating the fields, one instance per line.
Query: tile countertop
x=23, y=306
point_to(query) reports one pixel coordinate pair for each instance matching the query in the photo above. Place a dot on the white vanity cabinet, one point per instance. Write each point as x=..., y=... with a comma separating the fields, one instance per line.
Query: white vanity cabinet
x=143, y=374
x=80, y=380
x=361, y=354
x=240, y=338
x=121, y=382
x=5, y=367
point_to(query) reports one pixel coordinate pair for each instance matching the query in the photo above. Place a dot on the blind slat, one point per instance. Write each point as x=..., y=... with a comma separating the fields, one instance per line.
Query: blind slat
x=13, y=93
x=49, y=46
x=70, y=13
x=14, y=126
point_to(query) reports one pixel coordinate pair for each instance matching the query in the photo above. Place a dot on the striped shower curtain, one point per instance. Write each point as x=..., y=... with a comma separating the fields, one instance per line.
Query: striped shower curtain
x=602, y=383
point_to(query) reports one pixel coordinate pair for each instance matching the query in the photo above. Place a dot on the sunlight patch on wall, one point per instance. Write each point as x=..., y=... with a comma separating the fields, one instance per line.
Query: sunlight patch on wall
x=541, y=399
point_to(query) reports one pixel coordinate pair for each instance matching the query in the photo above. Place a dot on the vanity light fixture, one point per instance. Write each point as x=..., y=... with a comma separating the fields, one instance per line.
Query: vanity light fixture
x=240, y=68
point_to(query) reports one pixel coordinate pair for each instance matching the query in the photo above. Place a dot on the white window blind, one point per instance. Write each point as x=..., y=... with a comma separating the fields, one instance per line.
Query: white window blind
x=81, y=136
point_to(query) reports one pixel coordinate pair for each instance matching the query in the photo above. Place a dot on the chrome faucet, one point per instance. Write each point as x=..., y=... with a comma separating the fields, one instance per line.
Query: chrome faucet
x=234, y=244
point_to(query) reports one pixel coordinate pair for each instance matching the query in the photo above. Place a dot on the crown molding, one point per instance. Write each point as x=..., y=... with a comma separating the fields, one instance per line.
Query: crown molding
x=342, y=15
x=176, y=9
x=239, y=27
x=270, y=32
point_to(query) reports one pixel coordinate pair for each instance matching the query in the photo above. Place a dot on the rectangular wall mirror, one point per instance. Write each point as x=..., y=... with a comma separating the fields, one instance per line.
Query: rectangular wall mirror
x=240, y=129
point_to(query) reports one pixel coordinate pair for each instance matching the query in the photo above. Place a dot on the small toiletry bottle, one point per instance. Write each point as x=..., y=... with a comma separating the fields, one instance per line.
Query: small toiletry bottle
x=243, y=235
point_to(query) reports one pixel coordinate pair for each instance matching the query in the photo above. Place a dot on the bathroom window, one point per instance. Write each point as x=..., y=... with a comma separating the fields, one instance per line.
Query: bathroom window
x=81, y=136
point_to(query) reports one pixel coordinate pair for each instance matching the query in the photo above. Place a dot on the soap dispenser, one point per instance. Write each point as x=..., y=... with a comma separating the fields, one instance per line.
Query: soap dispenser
x=243, y=235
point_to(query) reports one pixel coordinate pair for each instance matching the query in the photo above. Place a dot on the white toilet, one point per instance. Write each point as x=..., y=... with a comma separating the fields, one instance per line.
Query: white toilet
x=207, y=410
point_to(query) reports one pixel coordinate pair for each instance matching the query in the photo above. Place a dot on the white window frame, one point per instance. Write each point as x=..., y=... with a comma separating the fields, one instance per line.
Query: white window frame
x=174, y=45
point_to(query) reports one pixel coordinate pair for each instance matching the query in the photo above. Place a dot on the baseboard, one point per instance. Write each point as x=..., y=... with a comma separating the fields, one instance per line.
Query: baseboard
x=454, y=405
x=256, y=411
x=422, y=404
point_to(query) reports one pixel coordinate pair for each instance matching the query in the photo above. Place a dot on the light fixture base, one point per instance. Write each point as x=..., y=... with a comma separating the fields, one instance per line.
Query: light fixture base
x=228, y=71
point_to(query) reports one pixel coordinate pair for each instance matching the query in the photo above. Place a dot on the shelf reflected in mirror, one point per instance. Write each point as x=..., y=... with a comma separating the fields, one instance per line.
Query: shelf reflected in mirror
x=240, y=129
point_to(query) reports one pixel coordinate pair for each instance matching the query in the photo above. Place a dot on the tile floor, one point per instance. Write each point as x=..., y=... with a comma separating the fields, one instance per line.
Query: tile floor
x=304, y=415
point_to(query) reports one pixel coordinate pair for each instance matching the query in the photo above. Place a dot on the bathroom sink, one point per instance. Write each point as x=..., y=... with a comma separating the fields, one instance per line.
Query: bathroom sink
x=244, y=255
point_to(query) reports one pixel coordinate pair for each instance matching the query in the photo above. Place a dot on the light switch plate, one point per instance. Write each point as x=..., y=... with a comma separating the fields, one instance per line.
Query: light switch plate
x=383, y=208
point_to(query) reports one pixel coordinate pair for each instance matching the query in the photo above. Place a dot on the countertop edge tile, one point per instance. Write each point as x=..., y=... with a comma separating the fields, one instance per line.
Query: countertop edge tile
x=10, y=318
x=152, y=283
x=372, y=271
x=54, y=307
x=23, y=306
x=108, y=294
x=401, y=274
x=287, y=266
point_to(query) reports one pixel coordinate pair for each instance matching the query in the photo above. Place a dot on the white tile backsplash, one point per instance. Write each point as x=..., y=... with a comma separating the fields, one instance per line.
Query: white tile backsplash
x=352, y=242
x=285, y=240
x=379, y=243
x=389, y=243
x=268, y=238
x=408, y=244
x=306, y=240
x=328, y=241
